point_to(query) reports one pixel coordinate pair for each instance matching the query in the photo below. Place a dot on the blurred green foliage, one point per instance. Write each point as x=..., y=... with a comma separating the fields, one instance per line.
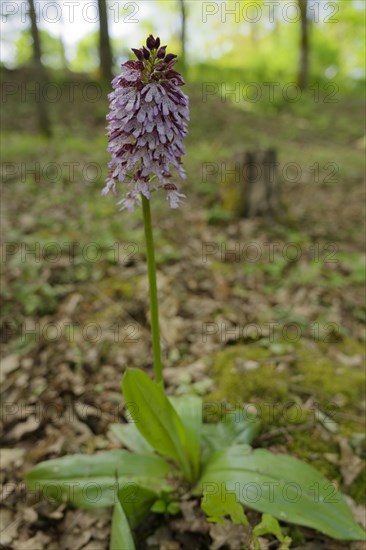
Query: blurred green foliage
x=52, y=49
x=226, y=47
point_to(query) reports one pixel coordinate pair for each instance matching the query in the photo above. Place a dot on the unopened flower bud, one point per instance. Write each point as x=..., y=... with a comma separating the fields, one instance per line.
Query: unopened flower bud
x=146, y=53
x=161, y=52
x=169, y=57
x=150, y=42
x=138, y=54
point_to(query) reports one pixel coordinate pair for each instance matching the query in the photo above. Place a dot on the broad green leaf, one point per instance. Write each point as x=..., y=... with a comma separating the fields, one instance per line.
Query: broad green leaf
x=230, y=431
x=189, y=408
x=155, y=418
x=216, y=508
x=121, y=536
x=93, y=481
x=282, y=486
x=131, y=438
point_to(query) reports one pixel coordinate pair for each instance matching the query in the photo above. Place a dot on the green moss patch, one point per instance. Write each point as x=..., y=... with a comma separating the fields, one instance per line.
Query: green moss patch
x=306, y=399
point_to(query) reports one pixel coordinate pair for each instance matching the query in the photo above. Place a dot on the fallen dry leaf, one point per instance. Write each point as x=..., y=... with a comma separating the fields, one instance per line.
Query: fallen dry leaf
x=348, y=360
x=358, y=510
x=351, y=465
x=8, y=526
x=8, y=365
x=39, y=542
x=162, y=539
x=30, y=425
x=10, y=456
x=230, y=536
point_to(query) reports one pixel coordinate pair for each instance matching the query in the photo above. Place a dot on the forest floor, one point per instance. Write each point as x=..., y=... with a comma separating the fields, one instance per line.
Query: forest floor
x=277, y=325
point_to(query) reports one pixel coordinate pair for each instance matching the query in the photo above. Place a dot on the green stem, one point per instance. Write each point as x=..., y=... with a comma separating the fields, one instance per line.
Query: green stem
x=154, y=308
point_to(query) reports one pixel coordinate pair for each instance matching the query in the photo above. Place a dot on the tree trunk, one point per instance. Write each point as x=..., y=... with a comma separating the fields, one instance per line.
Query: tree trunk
x=304, y=46
x=63, y=55
x=183, y=19
x=105, y=50
x=40, y=75
x=62, y=45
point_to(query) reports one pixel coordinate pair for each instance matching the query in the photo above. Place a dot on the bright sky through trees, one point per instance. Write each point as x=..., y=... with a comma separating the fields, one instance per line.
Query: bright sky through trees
x=235, y=26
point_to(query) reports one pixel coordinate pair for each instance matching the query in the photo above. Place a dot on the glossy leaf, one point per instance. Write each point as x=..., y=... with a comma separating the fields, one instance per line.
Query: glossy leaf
x=282, y=486
x=121, y=536
x=189, y=408
x=131, y=438
x=155, y=418
x=232, y=430
x=93, y=481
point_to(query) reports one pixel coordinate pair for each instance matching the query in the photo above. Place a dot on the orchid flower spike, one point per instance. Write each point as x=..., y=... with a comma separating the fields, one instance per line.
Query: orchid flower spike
x=147, y=124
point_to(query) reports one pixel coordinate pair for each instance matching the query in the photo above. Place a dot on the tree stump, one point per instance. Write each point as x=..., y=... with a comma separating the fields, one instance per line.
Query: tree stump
x=251, y=188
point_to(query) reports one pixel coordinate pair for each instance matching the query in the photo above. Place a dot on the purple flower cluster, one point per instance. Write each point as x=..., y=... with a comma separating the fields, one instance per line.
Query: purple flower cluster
x=147, y=126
